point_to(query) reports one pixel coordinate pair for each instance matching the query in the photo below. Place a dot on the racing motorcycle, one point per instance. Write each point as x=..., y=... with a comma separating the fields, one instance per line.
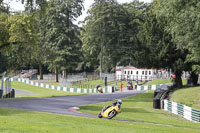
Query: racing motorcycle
x=129, y=85
x=109, y=112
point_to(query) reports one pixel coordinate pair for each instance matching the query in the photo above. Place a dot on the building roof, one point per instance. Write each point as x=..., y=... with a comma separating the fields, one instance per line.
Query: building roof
x=119, y=68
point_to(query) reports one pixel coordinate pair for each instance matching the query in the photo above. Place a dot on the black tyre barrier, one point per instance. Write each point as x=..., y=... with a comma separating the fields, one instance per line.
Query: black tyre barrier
x=1, y=93
x=156, y=103
x=160, y=94
x=9, y=95
x=113, y=89
x=12, y=93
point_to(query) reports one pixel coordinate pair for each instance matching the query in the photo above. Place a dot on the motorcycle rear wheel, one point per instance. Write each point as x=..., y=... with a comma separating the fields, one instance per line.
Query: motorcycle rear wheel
x=112, y=114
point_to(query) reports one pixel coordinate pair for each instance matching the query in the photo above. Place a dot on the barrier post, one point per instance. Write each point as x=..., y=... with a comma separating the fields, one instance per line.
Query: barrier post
x=2, y=85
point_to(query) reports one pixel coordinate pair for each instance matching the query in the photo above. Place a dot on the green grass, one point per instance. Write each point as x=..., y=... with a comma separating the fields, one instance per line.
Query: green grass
x=91, y=82
x=94, y=83
x=140, y=109
x=52, y=83
x=158, y=81
x=162, y=81
x=18, y=121
x=188, y=96
x=39, y=91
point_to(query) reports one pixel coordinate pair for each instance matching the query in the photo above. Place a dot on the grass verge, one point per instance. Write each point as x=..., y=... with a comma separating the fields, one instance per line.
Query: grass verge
x=94, y=83
x=19, y=121
x=162, y=81
x=39, y=91
x=188, y=96
x=140, y=108
x=158, y=81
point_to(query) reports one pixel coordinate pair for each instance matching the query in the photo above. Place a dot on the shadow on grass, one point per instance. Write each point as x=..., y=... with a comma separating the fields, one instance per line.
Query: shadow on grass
x=136, y=100
x=97, y=109
x=134, y=110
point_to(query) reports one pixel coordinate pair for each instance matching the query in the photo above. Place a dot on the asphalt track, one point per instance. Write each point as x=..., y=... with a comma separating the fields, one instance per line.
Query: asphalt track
x=21, y=92
x=63, y=104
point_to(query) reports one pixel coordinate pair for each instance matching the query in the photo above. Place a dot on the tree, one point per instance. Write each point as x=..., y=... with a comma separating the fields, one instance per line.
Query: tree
x=184, y=25
x=4, y=33
x=3, y=60
x=31, y=5
x=109, y=34
x=136, y=18
x=162, y=50
x=61, y=35
x=23, y=29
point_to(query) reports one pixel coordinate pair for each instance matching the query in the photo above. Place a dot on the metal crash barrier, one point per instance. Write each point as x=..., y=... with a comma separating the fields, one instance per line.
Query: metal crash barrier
x=182, y=110
x=6, y=90
x=161, y=101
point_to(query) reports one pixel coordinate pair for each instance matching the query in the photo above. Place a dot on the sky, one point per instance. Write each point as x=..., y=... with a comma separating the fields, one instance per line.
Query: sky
x=18, y=6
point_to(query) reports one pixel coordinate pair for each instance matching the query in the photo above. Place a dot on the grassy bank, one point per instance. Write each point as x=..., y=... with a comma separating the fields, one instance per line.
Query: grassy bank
x=158, y=81
x=189, y=96
x=39, y=91
x=94, y=83
x=19, y=121
x=140, y=108
x=162, y=81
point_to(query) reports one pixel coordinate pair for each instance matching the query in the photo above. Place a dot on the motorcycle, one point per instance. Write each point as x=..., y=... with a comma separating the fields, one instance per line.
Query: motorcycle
x=99, y=88
x=109, y=112
x=129, y=86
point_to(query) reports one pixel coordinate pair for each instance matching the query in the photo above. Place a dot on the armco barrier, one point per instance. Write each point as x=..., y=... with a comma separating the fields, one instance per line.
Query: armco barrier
x=73, y=90
x=182, y=110
x=5, y=89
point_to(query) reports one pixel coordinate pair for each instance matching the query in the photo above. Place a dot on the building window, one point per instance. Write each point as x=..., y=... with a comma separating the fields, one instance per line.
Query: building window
x=136, y=72
x=124, y=72
x=145, y=72
x=149, y=72
x=142, y=72
x=131, y=72
x=128, y=72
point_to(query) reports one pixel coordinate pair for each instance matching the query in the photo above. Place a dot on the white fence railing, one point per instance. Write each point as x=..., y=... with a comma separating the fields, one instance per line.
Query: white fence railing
x=182, y=110
x=53, y=87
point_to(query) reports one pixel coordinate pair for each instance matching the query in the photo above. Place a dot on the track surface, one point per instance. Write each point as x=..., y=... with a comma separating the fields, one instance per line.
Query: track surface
x=21, y=92
x=63, y=104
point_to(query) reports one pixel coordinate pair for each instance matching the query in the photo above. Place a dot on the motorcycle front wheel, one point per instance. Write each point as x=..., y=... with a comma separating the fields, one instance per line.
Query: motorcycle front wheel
x=112, y=114
x=100, y=116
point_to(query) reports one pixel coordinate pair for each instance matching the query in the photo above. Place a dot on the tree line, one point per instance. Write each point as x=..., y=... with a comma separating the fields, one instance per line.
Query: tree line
x=161, y=34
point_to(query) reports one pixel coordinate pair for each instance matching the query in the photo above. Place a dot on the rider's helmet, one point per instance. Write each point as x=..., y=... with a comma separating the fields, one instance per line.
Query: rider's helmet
x=119, y=101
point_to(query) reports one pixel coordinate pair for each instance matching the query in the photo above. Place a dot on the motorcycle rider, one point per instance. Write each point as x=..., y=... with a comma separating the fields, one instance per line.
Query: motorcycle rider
x=118, y=103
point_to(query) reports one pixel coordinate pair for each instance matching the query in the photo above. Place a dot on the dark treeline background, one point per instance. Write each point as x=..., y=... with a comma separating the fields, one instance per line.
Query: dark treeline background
x=162, y=34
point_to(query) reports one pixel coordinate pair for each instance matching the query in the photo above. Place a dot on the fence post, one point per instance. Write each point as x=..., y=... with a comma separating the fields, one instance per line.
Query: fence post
x=105, y=82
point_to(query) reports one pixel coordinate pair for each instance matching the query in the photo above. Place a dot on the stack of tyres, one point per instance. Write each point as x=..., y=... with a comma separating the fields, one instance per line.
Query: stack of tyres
x=12, y=93
x=156, y=99
x=159, y=93
x=1, y=93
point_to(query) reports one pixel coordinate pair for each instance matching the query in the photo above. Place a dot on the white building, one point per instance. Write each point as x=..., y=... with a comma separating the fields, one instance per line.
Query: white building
x=133, y=73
